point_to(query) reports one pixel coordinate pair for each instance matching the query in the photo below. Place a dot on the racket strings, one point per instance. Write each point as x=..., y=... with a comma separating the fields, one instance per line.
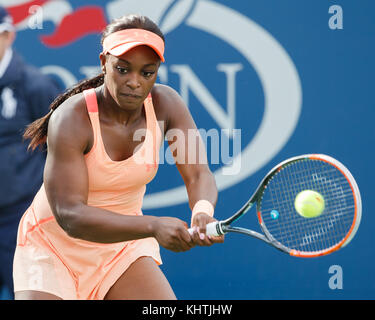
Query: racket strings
x=320, y=231
x=308, y=234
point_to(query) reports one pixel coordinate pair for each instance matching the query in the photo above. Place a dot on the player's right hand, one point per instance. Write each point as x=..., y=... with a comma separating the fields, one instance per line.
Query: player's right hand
x=172, y=234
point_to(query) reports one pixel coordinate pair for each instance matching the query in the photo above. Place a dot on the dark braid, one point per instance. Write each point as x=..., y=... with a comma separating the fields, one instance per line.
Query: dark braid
x=37, y=131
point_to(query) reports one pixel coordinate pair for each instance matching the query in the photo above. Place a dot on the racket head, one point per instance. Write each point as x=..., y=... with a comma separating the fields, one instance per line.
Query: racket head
x=309, y=237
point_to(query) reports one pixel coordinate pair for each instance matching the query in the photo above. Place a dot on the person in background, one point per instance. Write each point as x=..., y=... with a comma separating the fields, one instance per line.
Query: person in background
x=25, y=95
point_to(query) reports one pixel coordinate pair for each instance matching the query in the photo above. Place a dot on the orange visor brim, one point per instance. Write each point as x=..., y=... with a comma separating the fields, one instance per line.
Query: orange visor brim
x=122, y=41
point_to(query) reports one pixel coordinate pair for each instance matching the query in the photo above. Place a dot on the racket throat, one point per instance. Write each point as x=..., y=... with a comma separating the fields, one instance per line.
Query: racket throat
x=220, y=229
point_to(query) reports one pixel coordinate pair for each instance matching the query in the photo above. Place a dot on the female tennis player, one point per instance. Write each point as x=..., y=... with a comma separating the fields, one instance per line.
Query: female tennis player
x=84, y=236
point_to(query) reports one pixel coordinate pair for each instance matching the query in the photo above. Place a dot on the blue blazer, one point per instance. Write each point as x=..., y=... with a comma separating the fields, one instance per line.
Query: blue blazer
x=25, y=95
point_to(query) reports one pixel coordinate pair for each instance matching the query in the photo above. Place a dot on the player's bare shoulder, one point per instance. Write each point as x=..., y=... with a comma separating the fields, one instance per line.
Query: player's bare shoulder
x=167, y=102
x=70, y=121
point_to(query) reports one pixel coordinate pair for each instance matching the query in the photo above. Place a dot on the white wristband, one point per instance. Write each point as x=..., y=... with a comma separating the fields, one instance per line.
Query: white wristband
x=202, y=206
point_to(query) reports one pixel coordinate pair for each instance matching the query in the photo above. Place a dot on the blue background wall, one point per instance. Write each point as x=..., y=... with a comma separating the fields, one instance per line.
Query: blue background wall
x=335, y=70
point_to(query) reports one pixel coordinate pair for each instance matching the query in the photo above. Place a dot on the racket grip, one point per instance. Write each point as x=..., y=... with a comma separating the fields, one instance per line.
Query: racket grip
x=211, y=229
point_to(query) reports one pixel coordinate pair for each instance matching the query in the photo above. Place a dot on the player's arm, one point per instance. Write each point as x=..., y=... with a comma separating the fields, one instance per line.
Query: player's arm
x=189, y=151
x=66, y=183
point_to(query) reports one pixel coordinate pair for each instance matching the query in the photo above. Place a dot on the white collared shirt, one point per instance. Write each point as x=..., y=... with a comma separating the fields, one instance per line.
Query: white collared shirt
x=4, y=63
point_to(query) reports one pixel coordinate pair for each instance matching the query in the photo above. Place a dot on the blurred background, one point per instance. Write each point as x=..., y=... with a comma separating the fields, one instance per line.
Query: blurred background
x=293, y=76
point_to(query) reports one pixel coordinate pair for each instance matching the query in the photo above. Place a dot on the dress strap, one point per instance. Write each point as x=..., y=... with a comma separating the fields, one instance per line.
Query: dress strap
x=91, y=101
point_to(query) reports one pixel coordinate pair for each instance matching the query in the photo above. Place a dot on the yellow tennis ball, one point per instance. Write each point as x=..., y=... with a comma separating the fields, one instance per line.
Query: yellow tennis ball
x=309, y=204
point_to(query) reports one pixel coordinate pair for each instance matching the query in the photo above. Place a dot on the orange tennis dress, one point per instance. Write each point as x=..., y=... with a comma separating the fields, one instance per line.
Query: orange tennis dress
x=48, y=260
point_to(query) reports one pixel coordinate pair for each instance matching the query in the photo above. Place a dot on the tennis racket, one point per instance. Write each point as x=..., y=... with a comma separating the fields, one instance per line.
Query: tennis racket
x=287, y=230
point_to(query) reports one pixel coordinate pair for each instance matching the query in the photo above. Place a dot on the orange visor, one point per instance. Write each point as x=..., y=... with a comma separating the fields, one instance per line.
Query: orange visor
x=122, y=41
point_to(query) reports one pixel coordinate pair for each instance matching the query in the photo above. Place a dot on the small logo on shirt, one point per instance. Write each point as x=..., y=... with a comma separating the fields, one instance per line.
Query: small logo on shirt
x=9, y=102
